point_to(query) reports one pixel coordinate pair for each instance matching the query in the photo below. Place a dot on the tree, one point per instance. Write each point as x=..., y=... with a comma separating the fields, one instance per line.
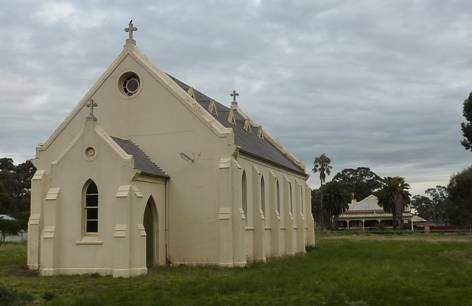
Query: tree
x=433, y=206
x=423, y=206
x=393, y=197
x=439, y=196
x=8, y=227
x=4, y=199
x=6, y=164
x=459, y=206
x=361, y=182
x=22, y=194
x=322, y=165
x=335, y=199
x=15, y=186
x=467, y=125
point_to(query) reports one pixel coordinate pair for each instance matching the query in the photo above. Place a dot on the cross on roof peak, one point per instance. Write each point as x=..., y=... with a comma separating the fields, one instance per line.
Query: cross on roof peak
x=234, y=103
x=91, y=104
x=130, y=29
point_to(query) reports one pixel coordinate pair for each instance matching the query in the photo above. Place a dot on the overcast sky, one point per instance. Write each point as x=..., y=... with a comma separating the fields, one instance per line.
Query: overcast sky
x=370, y=83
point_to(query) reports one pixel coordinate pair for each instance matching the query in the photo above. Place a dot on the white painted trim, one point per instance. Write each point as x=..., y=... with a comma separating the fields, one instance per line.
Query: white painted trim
x=162, y=79
x=89, y=240
x=271, y=166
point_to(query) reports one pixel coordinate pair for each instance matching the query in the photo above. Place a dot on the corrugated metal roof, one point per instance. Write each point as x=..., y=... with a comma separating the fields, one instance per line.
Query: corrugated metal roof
x=141, y=161
x=248, y=142
x=7, y=217
x=368, y=204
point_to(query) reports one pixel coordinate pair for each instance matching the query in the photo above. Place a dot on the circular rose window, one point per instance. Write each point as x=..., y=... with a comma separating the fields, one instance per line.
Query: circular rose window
x=129, y=83
x=90, y=152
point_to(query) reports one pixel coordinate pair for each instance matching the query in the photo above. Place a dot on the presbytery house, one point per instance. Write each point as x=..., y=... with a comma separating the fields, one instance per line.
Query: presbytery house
x=148, y=171
x=367, y=214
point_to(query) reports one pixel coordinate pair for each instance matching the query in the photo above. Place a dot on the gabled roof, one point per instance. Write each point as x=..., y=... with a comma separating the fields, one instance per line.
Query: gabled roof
x=369, y=203
x=7, y=217
x=249, y=142
x=141, y=161
x=263, y=148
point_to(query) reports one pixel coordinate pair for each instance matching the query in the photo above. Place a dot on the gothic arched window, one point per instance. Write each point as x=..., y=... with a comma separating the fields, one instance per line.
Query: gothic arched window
x=91, y=207
x=277, y=190
x=263, y=195
x=302, y=202
x=244, y=193
x=290, y=199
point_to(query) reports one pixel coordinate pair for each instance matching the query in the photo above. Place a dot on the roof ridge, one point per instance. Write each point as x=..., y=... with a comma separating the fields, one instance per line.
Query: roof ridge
x=240, y=116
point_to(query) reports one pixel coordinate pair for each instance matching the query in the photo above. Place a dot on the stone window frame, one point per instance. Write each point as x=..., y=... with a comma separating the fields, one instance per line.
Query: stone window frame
x=278, y=203
x=86, y=198
x=302, y=202
x=262, y=196
x=244, y=197
x=290, y=199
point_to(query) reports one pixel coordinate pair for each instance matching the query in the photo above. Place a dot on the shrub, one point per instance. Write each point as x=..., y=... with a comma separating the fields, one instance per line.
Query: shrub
x=459, y=208
x=8, y=227
x=47, y=296
x=13, y=298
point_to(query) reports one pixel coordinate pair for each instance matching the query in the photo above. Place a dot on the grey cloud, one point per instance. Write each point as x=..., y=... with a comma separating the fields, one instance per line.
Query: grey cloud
x=371, y=83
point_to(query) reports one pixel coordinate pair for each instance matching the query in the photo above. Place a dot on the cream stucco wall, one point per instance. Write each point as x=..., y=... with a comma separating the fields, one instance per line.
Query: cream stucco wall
x=118, y=248
x=163, y=127
x=273, y=233
x=199, y=208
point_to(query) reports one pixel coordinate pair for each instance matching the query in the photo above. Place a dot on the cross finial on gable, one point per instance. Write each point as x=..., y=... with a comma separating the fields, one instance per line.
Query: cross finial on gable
x=91, y=104
x=130, y=29
x=234, y=94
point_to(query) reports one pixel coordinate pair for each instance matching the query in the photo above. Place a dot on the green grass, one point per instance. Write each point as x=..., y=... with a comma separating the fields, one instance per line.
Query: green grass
x=341, y=270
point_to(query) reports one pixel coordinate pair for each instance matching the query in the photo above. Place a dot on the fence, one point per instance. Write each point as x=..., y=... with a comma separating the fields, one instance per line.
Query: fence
x=457, y=231
x=22, y=236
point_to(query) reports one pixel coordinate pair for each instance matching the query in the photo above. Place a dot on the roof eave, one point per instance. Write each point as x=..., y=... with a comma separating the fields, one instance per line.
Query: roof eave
x=153, y=175
x=255, y=156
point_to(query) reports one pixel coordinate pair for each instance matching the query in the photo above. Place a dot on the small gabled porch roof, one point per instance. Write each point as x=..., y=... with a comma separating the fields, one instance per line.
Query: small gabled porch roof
x=141, y=161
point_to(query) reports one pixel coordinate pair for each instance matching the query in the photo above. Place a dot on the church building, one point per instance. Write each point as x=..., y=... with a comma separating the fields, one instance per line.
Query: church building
x=147, y=171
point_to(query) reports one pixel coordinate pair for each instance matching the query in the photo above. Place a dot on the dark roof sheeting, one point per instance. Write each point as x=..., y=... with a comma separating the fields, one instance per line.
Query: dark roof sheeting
x=249, y=143
x=141, y=161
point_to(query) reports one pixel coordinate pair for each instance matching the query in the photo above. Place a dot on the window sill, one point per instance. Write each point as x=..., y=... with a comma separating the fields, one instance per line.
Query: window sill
x=89, y=240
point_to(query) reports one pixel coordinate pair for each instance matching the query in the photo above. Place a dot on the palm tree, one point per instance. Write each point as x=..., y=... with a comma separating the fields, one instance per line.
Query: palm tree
x=322, y=165
x=393, y=196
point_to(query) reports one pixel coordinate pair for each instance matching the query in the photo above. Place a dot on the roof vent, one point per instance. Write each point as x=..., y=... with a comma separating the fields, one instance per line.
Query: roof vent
x=232, y=116
x=260, y=132
x=212, y=108
x=247, y=126
x=191, y=92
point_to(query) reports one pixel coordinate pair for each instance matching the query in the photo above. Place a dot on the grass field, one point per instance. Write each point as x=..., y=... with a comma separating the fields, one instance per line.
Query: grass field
x=341, y=270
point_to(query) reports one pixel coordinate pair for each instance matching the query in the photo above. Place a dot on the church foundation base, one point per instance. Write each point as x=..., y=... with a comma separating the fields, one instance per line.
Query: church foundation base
x=75, y=271
x=129, y=272
x=99, y=271
x=33, y=267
